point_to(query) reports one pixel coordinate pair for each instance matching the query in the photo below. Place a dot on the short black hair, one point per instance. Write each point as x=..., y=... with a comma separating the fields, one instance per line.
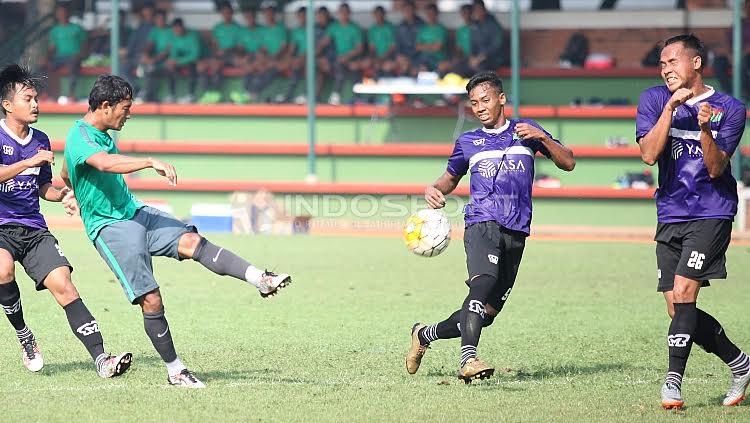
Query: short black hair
x=466, y=7
x=692, y=42
x=162, y=13
x=302, y=9
x=224, y=4
x=485, y=78
x=13, y=75
x=110, y=88
x=380, y=9
x=178, y=22
x=479, y=3
x=323, y=9
x=343, y=6
x=433, y=7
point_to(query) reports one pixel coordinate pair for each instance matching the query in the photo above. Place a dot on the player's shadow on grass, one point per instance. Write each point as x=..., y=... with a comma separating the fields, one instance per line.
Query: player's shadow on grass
x=566, y=370
x=50, y=369
x=258, y=375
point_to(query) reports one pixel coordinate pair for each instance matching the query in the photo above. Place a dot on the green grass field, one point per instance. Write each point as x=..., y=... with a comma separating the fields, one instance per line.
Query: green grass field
x=581, y=339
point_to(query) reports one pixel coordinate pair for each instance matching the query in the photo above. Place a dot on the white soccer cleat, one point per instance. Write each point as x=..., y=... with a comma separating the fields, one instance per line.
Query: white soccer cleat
x=736, y=392
x=32, y=357
x=671, y=396
x=185, y=379
x=114, y=365
x=270, y=283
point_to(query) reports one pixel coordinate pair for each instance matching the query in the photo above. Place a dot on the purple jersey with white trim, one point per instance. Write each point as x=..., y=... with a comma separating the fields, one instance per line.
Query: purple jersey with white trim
x=686, y=192
x=19, y=196
x=502, y=174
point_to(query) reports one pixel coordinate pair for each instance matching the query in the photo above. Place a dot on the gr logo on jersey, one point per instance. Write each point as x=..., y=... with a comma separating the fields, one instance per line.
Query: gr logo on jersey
x=678, y=340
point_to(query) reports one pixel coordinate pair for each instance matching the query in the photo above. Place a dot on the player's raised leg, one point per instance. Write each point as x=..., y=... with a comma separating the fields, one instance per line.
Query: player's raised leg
x=10, y=299
x=226, y=263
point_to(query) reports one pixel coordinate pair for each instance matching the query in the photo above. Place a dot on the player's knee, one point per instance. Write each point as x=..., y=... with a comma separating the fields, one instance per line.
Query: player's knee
x=188, y=244
x=151, y=302
x=488, y=318
x=7, y=272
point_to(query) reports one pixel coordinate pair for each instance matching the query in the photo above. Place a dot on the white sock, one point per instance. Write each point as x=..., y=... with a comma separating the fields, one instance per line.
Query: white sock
x=253, y=275
x=175, y=367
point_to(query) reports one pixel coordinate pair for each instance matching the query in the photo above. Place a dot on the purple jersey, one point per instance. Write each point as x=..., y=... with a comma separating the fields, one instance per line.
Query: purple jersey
x=19, y=196
x=502, y=174
x=686, y=192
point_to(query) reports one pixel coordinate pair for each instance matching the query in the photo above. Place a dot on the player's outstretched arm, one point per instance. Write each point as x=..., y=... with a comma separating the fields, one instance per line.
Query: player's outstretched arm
x=41, y=158
x=435, y=193
x=714, y=158
x=118, y=163
x=652, y=144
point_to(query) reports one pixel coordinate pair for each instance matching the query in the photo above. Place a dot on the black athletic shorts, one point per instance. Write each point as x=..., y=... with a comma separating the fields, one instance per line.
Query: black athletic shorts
x=694, y=250
x=495, y=251
x=36, y=249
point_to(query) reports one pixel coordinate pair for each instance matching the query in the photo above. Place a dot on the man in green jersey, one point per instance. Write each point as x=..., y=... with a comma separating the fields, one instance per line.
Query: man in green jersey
x=67, y=47
x=347, y=40
x=155, y=56
x=294, y=62
x=127, y=233
x=224, y=38
x=459, y=60
x=249, y=47
x=381, y=40
x=431, y=41
x=273, y=51
x=184, y=52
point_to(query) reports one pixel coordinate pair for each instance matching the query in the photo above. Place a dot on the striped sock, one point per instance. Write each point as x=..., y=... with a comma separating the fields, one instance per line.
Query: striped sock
x=674, y=378
x=467, y=352
x=24, y=335
x=740, y=365
x=428, y=334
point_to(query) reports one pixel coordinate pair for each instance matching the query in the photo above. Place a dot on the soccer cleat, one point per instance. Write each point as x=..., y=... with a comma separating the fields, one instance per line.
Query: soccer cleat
x=416, y=351
x=32, y=357
x=114, y=365
x=671, y=396
x=475, y=369
x=185, y=379
x=736, y=392
x=270, y=283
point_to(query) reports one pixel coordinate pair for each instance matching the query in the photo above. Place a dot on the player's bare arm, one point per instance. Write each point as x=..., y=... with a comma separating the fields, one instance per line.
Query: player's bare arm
x=435, y=193
x=652, y=144
x=118, y=163
x=39, y=159
x=561, y=155
x=52, y=194
x=716, y=160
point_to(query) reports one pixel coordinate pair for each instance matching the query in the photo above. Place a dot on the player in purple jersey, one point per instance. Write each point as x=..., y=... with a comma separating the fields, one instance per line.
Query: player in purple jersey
x=25, y=176
x=500, y=159
x=691, y=131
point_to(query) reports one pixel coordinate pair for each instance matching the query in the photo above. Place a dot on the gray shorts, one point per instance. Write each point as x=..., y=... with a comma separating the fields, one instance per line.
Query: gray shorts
x=128, y=246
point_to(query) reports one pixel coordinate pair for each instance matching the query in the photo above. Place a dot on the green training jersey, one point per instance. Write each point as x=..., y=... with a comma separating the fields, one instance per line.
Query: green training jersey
x=226, y=36
x=431, y=34
x=67, y=39
x=160, y=37
x=382, y=37
x=274, y=38
x=463, y=39
x=345, y=37
x=251, y=39
x=185, y=49
x=103, y=197
x=298, y=38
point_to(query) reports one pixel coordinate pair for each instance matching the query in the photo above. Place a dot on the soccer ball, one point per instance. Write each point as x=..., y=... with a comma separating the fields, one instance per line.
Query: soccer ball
x=427, y=232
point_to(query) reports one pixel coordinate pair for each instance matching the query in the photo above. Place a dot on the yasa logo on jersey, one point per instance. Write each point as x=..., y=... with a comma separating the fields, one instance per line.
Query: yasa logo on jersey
x=694, y=150
x=8, y=150
x=676, y=149
x=487, y=168
x=512, y=165
x=716, y=114
x=13, y=185
x=480, y=141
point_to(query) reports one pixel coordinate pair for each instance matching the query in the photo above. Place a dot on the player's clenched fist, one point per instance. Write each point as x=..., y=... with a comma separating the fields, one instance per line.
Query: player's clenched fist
x=40, y=158
x=526, y=131
x=704, y=116
x=679, y=97
x=434, y=197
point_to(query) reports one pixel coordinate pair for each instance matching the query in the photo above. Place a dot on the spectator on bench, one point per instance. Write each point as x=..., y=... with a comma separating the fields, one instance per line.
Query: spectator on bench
x=459, y=60
x=248, y=47
x=347, y=40
x=486, y=40
x=137, y=42
x=67, y=47
x=325, y=53
x=155, y=57
x=431, y=41
x=406, y=39
x=273, y=51
x=381, y=41
x=224, y=39
x=295, y=60
x=184, y=52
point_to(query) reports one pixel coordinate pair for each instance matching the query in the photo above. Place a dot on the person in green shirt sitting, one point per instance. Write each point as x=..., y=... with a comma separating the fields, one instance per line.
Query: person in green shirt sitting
x=224, y=38
x=184, y=52
x=155, y=56
x=248, y=47
x=295, y=60
x=67, y=47
x=431, y=41
x=271, y=55
x=459, y=60
x=347, y=40
x=381, y=40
